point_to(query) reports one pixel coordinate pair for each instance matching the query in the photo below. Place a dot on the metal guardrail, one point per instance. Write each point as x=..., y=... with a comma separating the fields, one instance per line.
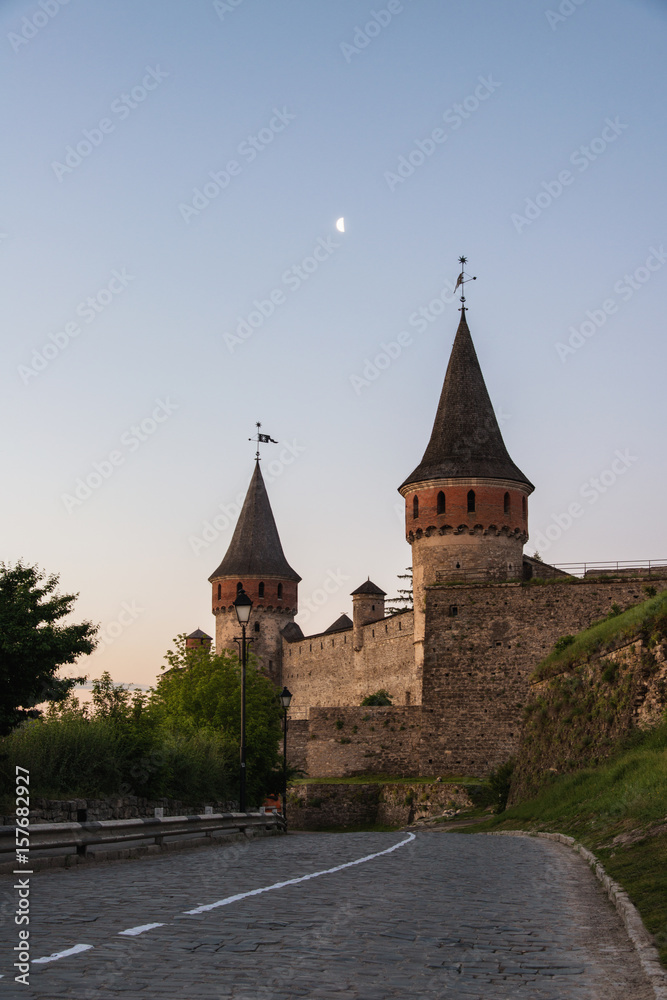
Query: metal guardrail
x=80, y=836
x=623, y=567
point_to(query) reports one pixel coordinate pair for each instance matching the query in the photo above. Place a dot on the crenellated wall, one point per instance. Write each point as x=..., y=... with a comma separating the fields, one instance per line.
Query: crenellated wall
x=324, y=670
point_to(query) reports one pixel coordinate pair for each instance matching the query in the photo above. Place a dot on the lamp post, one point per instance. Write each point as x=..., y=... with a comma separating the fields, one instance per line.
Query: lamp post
x=243, y=606
x=285, y=699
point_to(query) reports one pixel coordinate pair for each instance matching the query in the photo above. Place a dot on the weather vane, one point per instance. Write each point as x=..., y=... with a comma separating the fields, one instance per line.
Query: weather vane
x=261, y=439
x=461, y=280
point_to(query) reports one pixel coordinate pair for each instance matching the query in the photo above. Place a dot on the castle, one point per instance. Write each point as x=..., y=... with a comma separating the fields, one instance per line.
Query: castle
x=457, y=666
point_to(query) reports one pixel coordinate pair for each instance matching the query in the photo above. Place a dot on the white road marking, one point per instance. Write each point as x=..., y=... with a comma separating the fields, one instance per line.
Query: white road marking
x=133, y=931
x=62, y=954
x=295, y=881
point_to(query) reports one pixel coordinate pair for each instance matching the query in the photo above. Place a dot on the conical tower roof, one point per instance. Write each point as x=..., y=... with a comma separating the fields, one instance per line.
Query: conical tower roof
x=255, y=548
x=466, y=441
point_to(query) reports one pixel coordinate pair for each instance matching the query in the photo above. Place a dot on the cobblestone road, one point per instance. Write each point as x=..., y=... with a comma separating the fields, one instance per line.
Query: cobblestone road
x=446, y=915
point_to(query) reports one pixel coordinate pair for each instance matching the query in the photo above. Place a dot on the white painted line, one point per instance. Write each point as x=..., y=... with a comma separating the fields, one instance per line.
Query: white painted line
x=295, y=881
x=133, y=931
x=62, y=954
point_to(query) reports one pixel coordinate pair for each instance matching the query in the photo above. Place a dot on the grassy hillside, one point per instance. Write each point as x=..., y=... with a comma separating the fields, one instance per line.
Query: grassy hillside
x=591, y=691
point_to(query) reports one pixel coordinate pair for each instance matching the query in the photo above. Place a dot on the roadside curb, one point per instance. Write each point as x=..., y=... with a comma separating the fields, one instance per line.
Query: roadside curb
x=629, y=914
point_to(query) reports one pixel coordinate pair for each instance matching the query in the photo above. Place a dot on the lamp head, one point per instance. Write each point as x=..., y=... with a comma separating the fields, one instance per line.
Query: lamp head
x=243, y=606
x=285, y=698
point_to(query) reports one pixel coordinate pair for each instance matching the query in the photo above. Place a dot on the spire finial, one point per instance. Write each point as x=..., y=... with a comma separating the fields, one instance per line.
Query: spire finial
x=461, y=280
x=261, y=439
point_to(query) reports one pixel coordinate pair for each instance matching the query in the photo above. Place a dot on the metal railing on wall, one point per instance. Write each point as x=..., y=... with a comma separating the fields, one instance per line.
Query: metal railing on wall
x=622, y=567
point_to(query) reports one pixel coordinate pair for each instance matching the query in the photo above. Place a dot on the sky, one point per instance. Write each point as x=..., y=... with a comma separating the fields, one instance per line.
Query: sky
x=172, y=274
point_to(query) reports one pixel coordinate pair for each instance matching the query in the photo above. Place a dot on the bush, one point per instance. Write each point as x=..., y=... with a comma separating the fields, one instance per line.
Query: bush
x=380, y=697
x=500, y=781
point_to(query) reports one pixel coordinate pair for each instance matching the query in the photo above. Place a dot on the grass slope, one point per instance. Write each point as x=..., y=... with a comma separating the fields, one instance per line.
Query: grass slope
x=615, y=630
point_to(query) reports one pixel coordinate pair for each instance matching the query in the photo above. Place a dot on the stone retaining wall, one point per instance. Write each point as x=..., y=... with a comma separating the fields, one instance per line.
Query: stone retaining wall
x=121, y=807
x=321, y=806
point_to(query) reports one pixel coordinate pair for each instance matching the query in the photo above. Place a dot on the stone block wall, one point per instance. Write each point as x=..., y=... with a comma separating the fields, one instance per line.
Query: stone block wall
x=321, y=806
x=119, y=807
x=481, y=644
x=324, y=670
x=345, y=742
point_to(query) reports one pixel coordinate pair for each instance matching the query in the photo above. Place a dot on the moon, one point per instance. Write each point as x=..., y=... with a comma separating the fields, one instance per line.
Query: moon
x=340, y=224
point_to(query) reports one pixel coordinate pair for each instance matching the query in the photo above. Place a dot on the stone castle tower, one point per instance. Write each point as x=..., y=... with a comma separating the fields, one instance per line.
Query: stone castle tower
x=466, y=507
x=255, y=562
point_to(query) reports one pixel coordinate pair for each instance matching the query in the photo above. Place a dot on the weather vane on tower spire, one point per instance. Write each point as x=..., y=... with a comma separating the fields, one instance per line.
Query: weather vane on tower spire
x=461, y=280
x=261, y=439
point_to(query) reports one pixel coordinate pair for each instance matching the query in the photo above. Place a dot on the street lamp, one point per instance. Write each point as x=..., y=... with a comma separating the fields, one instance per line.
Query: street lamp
x=285, y=699
x=243, y=606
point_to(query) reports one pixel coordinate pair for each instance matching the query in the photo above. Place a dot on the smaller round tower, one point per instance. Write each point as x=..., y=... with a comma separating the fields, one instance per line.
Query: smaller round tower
x=255, y=562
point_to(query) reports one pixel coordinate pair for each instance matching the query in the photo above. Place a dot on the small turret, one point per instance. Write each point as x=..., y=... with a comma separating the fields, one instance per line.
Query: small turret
x=367, y=606
x=197, y=639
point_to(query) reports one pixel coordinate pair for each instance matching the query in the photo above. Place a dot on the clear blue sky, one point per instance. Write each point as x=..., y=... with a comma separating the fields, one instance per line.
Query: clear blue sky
x=547, y=168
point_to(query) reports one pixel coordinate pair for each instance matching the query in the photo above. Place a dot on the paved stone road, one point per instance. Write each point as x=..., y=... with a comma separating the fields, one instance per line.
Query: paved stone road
x=447, y=915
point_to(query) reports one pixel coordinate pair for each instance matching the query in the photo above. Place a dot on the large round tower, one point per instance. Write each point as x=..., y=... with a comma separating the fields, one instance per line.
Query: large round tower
x=255, y=562
x=466, y=503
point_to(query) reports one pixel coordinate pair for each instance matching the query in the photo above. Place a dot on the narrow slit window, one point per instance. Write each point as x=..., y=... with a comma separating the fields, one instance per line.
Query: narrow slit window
x=415, y=507
x=506, y=505
x=261, y=590
x=442, y=504
x=471, y=501
x=239, y=588
x=523, y=506
x=219, y=591
x=256, y=626
x=280, y=591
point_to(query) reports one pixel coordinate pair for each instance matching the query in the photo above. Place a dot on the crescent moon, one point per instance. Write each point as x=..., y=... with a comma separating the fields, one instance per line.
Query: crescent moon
x=340, y=224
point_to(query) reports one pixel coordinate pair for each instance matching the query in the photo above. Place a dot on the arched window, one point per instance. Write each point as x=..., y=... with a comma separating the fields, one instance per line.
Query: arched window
x=219, y=591
x=506, y=505
x=442, y=506
x=471, y=501
x=415, y=507
x=524, y=506
x=280, y=591
x=239, y=588
x=261, y=590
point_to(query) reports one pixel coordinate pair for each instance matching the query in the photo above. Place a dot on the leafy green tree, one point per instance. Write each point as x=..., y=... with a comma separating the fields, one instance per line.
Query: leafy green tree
x=201, y=690
x=34, y=642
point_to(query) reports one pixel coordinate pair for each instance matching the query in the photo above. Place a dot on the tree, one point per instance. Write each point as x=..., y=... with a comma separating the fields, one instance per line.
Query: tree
x=201, y=690
x=34, y=643
x=404, y=600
